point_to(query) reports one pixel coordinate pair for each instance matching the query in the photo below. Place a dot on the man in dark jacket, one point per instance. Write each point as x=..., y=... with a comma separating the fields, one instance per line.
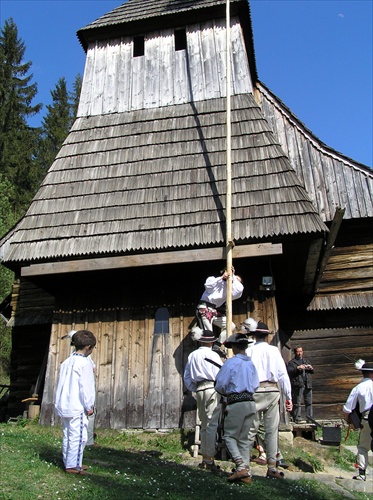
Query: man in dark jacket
x=300, y=371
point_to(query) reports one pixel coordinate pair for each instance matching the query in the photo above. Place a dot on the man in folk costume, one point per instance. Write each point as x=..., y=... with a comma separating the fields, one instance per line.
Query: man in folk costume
x=272, y=373
x=300, y=372
x=199, y=377
x=237, y=381
x=209, y=311
x=361, y=400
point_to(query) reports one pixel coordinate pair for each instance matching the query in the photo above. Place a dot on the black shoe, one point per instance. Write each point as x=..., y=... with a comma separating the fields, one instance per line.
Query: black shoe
x=281, y=463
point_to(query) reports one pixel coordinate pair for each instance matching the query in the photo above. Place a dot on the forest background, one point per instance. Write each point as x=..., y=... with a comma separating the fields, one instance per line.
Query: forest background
x=26, y=152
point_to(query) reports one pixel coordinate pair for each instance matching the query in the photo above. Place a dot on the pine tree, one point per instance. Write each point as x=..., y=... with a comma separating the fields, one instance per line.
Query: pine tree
x=75, y=95
x=55, y=125
x=17, y=140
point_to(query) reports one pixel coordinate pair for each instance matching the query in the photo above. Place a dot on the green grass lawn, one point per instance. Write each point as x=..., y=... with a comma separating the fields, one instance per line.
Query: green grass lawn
x=126, y=466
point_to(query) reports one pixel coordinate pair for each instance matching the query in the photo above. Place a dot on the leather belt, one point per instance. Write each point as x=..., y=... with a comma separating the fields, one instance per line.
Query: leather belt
x=237, y=397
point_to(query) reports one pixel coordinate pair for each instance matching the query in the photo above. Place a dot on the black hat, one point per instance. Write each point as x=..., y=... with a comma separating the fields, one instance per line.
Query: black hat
x=256, y=327
x=367, y=367
x=239, y=339
x=202, y=335
x=362, y=365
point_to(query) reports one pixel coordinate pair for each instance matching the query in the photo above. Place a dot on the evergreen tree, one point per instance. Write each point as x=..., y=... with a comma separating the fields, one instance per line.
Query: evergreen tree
x=17, y=140
x=75, y=96
x=55, y=125
x=7, y=220
x=58, y=120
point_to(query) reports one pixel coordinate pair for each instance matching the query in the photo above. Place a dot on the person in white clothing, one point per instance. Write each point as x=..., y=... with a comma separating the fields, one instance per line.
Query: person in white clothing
x=272, y=375
x=199, y=377
x=91, y=418
x=361, y=399
x=74, y=401
x=209, y=308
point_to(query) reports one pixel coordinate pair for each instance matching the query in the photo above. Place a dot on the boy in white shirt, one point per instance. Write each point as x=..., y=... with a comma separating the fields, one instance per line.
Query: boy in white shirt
x=75, y=399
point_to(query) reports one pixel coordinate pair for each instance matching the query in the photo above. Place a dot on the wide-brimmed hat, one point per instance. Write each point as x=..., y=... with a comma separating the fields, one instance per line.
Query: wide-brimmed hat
x=202, y=335
x=238, y=339
x=255, y=327
x=69, y=334
x=367, y=367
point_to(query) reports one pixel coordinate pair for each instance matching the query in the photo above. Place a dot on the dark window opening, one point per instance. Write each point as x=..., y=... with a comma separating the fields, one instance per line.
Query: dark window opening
x=138, y=46
x=180, y=39
x=161, y=325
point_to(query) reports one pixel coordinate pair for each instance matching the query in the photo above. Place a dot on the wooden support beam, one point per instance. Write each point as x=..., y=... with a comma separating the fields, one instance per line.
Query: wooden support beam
x=150, y=259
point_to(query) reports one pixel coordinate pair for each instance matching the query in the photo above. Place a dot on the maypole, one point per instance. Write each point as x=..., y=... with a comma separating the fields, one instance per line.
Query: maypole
x=228, y=207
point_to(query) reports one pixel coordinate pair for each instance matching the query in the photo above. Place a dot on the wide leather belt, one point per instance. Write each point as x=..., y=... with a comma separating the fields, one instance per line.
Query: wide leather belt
x=237, y=397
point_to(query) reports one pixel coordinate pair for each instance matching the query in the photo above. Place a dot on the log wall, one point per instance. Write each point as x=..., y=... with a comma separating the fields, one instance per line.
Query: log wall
x=330, y=352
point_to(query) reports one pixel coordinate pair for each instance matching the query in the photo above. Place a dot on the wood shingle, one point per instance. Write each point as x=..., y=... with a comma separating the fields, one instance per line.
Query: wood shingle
x=155, y=180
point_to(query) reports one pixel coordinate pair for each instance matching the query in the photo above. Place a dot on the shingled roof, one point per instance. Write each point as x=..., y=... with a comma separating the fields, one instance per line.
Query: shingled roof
x=154, y=180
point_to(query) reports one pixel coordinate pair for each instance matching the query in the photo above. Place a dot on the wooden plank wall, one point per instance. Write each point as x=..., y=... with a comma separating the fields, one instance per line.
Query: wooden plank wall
x=115, y=81
x=139, y=373
x=335, y=375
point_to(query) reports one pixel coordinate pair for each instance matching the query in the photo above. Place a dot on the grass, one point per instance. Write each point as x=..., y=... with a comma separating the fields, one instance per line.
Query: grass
x=126, y=465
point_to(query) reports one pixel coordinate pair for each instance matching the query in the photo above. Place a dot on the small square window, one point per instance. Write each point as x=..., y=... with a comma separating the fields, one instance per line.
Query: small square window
x=138, y=46
x=180, y=39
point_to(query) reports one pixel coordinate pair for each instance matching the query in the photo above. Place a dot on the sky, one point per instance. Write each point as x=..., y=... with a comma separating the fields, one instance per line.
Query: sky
x=314, y=55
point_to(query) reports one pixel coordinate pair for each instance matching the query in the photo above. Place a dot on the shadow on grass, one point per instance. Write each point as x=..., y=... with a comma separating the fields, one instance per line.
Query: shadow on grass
x=117, y=474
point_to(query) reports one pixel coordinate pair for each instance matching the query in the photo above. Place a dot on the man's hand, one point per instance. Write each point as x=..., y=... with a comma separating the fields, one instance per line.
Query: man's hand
x=288, y=405
x=90, y=412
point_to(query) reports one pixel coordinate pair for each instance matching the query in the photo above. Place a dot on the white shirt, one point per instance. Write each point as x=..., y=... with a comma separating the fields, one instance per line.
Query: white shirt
x=270, y=366
x=362, y=393
x=76, y=387
x=216, y=290
x=198, y=369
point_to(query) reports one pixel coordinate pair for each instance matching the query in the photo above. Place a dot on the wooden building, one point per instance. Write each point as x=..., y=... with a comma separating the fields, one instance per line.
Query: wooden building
x=130, y=220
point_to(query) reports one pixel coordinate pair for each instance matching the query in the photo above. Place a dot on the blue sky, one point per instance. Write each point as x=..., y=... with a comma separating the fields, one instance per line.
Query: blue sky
x=315, y=55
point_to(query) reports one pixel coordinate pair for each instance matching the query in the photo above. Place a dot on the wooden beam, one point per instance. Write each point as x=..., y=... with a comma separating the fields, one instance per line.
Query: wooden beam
x=150, y=259
x=336, y=224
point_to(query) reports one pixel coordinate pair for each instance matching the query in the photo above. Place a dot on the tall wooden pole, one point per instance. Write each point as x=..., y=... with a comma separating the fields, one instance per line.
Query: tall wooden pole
x=228, y=209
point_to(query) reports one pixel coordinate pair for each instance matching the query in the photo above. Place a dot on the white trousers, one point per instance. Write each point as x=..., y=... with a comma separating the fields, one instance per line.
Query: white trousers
x=219, y=321
x=364, y=445
x=91, y=429
x=74, y=439
x=208, y=407
x=267, y=402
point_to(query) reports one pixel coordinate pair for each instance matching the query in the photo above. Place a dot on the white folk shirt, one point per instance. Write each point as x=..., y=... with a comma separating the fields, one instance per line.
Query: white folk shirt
x=270, y=366
x=198, y=369
x=216, y=290
x=362, y=393
x=76, y=387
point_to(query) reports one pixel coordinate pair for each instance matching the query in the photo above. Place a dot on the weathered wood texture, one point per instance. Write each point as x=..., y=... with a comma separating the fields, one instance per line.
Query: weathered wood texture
x=138, y=372
x=347, y=281
x=335, y=374
x=166, y=188
x=331, y=179
x=30, y=304
x=114, y=81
